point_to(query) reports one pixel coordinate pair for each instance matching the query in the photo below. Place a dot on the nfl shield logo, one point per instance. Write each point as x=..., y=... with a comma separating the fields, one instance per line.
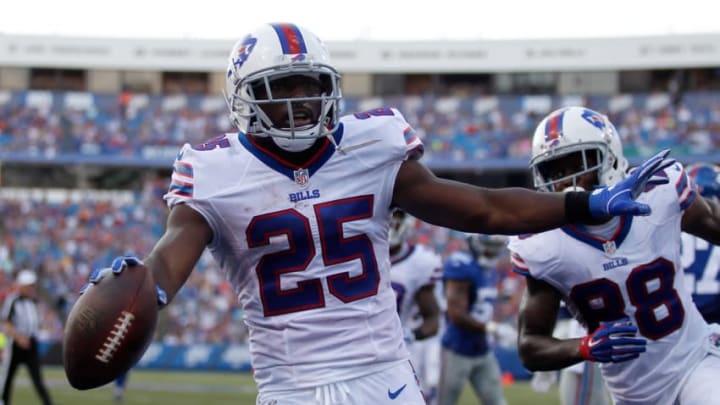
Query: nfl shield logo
x=302, y=177
x=609, y=247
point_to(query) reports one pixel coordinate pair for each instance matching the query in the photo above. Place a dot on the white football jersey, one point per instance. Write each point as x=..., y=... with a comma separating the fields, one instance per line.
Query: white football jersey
x=412, y=268
x=634, y=270
x=306, y=248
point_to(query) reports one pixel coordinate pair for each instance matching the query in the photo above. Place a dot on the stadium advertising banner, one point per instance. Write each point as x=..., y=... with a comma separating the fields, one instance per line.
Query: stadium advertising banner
x=377, y=56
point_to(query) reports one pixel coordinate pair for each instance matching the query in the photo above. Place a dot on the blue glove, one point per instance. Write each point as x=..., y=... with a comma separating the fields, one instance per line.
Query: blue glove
x=620, y=198
x=613, y=342
x=117, y=267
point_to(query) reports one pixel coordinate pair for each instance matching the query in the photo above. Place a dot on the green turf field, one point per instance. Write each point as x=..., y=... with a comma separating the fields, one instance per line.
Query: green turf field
x=191, y=388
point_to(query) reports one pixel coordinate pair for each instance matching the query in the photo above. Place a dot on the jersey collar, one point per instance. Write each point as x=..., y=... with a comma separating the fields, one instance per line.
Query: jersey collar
x=608, y=246
x=282, y=166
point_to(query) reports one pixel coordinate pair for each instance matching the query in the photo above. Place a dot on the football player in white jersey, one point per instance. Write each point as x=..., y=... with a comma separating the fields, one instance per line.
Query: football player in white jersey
x=621, y=277
x=295, y=209
x=415, y=277
x=700, y=258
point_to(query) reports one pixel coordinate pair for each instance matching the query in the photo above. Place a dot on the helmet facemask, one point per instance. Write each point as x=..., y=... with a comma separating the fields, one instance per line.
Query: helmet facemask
x=256, y=94
x=592, y=158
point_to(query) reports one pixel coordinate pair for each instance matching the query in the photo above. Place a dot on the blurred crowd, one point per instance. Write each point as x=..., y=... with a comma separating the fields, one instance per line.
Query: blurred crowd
x=455, y=128
x=64, y=236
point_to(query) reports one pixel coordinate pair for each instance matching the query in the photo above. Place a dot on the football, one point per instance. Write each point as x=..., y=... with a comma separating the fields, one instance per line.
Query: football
x=109, y=327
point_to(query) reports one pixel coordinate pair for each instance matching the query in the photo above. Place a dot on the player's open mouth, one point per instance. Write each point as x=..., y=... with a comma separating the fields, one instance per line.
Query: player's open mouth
x=301, y=118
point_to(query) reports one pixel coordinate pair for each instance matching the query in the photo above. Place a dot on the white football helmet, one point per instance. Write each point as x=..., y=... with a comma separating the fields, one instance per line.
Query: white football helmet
x=577, y=129
x=400, y=225
x=271, y=52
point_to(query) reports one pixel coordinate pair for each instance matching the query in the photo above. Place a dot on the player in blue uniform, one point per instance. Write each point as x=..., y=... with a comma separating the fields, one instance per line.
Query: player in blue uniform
x=471, y=279
x=700, y=258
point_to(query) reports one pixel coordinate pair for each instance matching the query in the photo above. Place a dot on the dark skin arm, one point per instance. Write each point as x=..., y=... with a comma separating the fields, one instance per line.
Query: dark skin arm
x=174, y=256
x=538, y=349
x=457, y=293
x=702, y=219
x=429, y=310
x=468, y=208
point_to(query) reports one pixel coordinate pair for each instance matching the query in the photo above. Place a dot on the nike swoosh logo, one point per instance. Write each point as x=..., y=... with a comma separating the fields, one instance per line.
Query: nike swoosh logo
x=394, y=394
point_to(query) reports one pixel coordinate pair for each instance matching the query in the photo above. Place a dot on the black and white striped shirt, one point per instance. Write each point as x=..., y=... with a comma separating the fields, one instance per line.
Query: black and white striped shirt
x=22, y=312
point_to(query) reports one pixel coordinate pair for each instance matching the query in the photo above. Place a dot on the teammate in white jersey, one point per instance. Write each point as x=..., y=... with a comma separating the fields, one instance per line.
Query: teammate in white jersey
x=700, y=258
x=295, y=209
x=620, y=277
x=415, y=277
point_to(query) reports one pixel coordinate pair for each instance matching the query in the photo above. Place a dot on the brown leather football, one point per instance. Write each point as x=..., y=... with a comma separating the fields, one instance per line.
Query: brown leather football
x=109, y=327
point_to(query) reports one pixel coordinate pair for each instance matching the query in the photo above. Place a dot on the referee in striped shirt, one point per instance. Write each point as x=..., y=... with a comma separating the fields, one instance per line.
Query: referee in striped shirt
x=21, y=324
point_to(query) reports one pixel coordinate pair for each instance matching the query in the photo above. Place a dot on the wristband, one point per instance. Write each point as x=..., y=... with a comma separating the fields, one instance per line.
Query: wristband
x=577, y=206
x=585, y=348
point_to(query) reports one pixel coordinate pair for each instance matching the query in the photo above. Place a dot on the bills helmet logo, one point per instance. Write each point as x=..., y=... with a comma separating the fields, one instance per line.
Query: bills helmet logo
x=243, y=52
x=594, y=119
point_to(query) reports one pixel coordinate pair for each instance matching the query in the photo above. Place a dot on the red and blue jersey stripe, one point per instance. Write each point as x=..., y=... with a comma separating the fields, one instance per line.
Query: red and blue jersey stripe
x=291, y=38
x=181, y=181
x=410, y=135
x=518, y=264
x=181, y=188
x=183, y=168
x=685, y=191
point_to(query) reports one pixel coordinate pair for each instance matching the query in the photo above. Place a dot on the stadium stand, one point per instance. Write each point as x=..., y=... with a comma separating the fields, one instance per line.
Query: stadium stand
x=460, y=132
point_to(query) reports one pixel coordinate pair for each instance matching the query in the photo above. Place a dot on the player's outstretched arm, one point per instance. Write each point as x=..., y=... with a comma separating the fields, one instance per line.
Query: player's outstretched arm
x=174, y=256
x=469, y=208
x=538, y=349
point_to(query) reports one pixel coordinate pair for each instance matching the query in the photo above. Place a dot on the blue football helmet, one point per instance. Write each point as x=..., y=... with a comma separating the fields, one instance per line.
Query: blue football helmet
x=706, y=177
